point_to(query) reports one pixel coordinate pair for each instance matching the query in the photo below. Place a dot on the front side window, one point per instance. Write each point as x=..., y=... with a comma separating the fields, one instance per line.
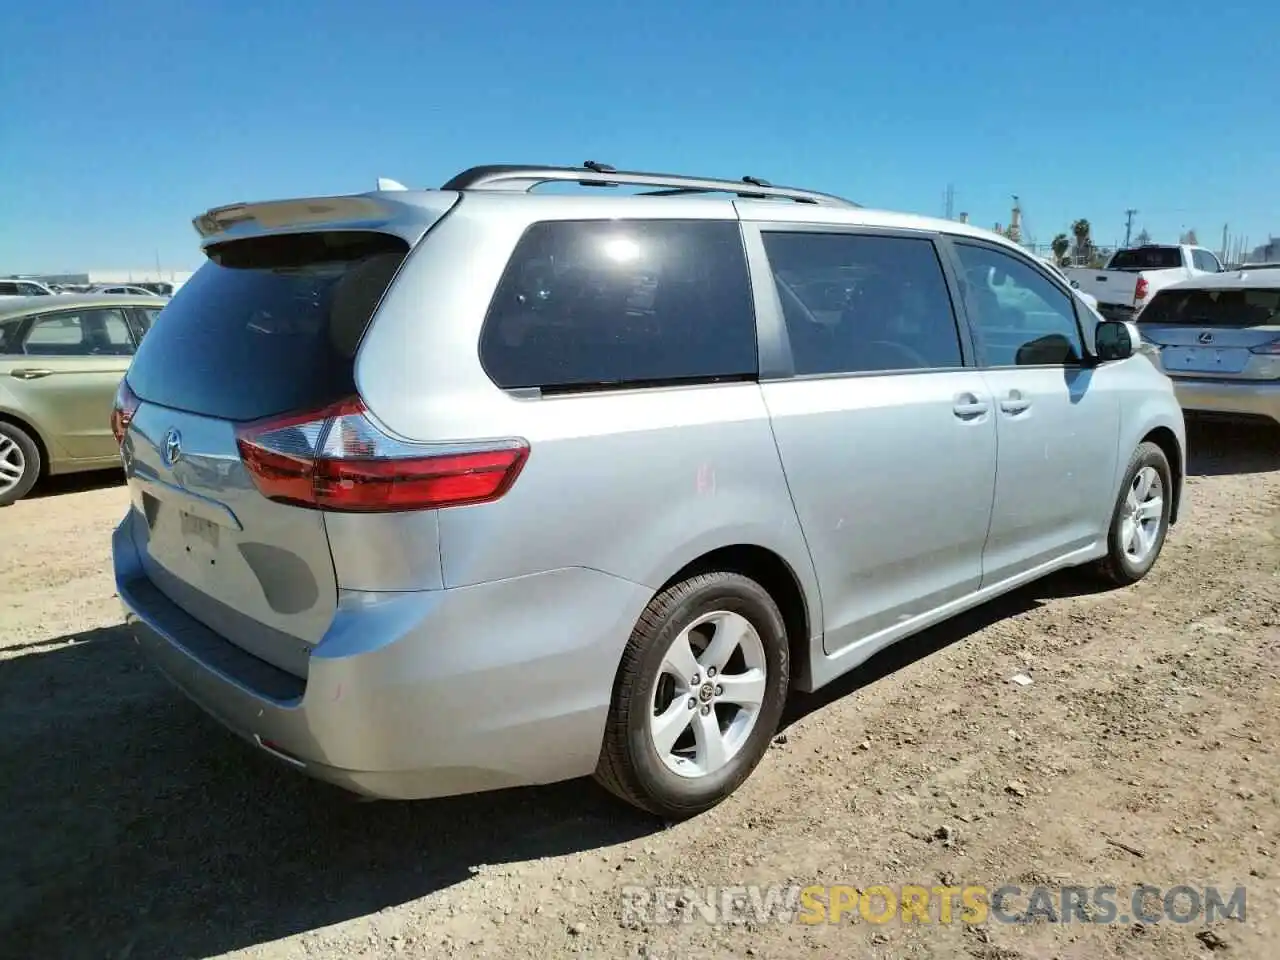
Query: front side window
x=619, y=302
x=1020, y=317
x=863, y=304
x=82, y=333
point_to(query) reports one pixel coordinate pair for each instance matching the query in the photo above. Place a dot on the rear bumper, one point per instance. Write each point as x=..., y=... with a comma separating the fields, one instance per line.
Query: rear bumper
x=1237, y=397
x=414, y=694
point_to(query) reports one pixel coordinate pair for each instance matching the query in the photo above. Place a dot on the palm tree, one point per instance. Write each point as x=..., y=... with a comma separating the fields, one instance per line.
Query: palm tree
x=1061, y=244
x=1084, y=244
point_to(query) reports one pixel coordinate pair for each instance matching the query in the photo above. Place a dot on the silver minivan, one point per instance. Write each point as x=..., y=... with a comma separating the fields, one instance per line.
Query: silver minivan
x=442, y=491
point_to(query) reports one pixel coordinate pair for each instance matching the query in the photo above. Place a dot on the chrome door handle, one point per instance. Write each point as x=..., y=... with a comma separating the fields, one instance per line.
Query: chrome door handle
x=967, y=407
x=1014, y=403
x=29, y=373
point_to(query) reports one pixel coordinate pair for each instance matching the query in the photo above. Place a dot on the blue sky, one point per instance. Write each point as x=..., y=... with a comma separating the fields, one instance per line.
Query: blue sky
x=121, y=121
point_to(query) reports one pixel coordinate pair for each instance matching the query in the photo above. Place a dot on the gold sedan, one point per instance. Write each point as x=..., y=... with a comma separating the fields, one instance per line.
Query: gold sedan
x=61, y=360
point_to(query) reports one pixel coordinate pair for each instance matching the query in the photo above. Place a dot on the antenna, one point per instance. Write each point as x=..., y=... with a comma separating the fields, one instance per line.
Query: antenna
x=386, y=183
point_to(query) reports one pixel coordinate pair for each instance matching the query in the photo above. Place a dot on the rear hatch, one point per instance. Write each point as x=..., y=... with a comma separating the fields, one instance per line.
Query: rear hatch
x=1231, y=333
x=265, y=331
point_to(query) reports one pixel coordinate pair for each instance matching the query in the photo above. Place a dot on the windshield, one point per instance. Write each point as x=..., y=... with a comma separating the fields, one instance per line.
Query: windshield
x=1215, y=308
x=1146, y=258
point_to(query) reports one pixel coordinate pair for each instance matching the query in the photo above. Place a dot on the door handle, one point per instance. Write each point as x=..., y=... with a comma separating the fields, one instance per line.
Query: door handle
x=29, y=373
x=967, y=406
x=1015, y=403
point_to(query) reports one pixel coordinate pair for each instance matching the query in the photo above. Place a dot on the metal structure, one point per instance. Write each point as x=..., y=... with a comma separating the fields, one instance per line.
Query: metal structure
x=521, y=178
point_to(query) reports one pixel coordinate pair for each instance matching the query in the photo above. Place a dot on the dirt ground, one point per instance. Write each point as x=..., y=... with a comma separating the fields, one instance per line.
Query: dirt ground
x=1143, y=752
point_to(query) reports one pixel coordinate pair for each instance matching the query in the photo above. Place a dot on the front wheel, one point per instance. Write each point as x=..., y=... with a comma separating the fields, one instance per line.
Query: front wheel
x=698, y=697
x=1140, y=520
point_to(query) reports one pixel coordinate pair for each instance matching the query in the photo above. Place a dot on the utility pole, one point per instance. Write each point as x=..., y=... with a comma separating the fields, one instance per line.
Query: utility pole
x=1128, y=225
x=949, y=204
x=1224, y=242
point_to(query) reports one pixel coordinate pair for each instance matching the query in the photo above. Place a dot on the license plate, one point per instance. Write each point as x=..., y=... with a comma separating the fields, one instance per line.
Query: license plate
x=1205, y=359
x=199, y=529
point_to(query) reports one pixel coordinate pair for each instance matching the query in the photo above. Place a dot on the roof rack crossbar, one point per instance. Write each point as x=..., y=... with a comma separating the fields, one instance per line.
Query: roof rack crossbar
x=519, y=178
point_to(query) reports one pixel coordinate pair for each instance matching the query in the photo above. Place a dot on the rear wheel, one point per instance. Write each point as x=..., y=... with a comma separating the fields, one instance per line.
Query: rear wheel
x=19, y=463
x=698, y=697
x=1140, y=520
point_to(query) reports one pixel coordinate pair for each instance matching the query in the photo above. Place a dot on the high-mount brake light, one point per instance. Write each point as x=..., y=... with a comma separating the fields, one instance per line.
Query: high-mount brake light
x=122, y=410
x=336, y=458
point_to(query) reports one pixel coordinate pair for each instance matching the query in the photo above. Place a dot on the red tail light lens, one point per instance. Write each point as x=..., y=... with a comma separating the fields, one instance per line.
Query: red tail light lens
x=338, y=459
x=1140, y=291
x=122, y=411
x=1270, y=348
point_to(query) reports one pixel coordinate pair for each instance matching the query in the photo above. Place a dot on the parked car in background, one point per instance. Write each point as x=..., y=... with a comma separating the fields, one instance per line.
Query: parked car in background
x=1218, y=338
x=1084, y=295
x=1133, y=276
x=481, y=486
x=61, y=360
x=10, y=289
x=117, y=289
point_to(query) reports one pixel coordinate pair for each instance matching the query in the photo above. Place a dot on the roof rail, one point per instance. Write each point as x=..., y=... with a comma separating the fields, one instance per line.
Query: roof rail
x=521, y=178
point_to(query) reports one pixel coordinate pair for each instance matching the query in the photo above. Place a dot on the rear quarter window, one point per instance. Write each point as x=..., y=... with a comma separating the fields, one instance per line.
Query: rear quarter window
x=268, y=325
x=621, y=302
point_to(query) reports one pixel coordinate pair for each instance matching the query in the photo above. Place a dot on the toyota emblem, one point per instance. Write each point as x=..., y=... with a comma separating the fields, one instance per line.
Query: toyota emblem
x=171, y=451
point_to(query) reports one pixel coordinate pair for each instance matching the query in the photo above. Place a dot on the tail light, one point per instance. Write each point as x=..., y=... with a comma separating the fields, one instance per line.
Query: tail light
x=1140, y=291
x=1270, y=348
x=337, y=458
x=122, y=411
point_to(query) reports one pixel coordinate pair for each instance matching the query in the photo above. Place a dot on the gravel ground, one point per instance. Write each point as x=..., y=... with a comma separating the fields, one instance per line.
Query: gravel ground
x=1144, y=751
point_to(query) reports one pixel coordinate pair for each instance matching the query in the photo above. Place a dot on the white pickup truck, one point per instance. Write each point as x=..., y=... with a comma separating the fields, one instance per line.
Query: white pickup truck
x=1132, y=276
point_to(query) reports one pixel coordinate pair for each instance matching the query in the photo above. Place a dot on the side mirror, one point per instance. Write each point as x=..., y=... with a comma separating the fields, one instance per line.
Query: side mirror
x=1113, y=340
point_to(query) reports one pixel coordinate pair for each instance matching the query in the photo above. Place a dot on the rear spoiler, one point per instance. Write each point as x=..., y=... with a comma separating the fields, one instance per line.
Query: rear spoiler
x=407, y=215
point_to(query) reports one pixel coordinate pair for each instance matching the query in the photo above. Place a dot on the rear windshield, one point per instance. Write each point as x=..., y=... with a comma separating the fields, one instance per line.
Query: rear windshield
x=269, y=325
x=1146, y=258
x=1215, y=308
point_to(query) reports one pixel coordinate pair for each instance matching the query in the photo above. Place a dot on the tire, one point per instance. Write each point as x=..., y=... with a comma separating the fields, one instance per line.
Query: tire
x=1120, y=565
x=17, y=450
x=704, y=607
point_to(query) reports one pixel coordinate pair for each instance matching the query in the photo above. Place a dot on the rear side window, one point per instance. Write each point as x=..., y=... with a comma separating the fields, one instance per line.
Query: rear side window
x=269, y=325
x=1206, y=261
x=620, y=302
x=1146, y=258
x=10, y=335
x=100, y=332
x=863, y=304
x=1236, y=307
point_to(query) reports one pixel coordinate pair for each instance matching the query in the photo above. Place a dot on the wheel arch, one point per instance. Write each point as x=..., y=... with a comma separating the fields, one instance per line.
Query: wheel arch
x=779, y=578
x=37, y=437
x=1167, y=441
